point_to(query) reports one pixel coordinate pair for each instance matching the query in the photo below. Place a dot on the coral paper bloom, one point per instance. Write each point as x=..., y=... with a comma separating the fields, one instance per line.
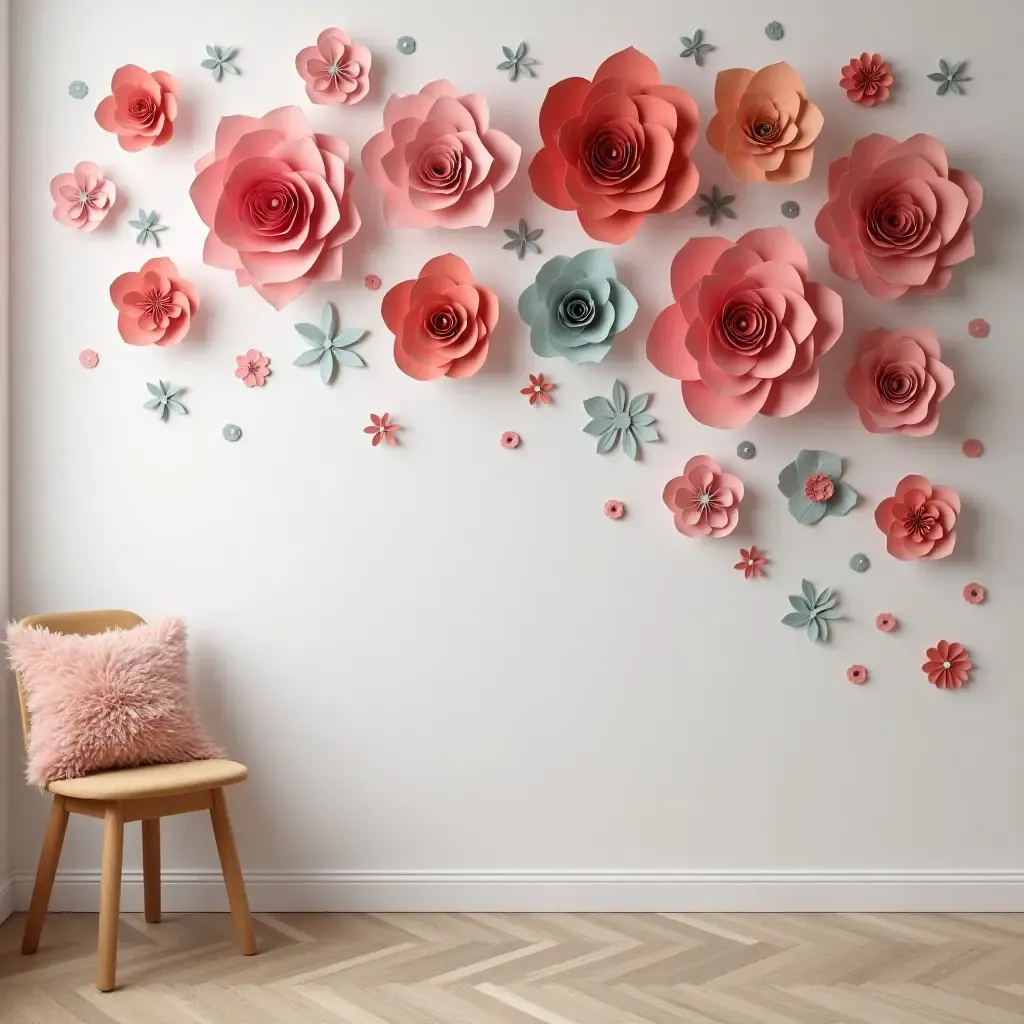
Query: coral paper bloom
x=614, y=509
x=751, y=563
x=898, y=217
x=83, y=198
x=948, y=666
x=438, y=162
x=442, y=321
x=920, y=521
x=154, y=306
x=885, y=621
x=276, y=199
x=897, y=381
x=617, y=148
x=866, y=79
x=382, y=429
x=704, y=501
x=538, y=390
x=336, y=70
x=141, y=108
x=764, y=125
x=252, y=369
x=746, y=327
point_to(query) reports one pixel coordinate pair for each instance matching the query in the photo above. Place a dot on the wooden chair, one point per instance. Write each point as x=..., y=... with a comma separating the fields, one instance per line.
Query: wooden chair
x=132, y=794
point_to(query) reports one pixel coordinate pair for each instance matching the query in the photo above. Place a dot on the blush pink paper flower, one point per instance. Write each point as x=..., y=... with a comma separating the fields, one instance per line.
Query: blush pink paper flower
x=442, y=321
x=141, y=108
x=974, y=593
x=253, y=368
x=336, y=70
x=83, y=198
x=948, y=666
x=857, y=674
x=614, y=509
x=382, y=429
x=275, y=196
x=897, y=381
x=704, y=501
x=866, y=79
x=898, y=218
x=88, y=358
x=438, y=162
x=616, y=148
x=751, y=563
x=746, y=328
x=920, y=521
x=885, y=621
x=154, y=306
x=510, y=439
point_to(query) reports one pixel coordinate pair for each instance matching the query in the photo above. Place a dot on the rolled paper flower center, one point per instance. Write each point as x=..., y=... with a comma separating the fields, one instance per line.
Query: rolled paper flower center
x=746, y=326
x=83, y=197
x=272, y=206
x=898, y=383
x=763, y=127
x=157, y=307
x=704, y=499
x=142, y=108
x=439, y=169
x=577, y=309
x=918, y=523
x=613, y=153
x=443, y=323
x=819, y=488
x=896, y=221
x=621, y=420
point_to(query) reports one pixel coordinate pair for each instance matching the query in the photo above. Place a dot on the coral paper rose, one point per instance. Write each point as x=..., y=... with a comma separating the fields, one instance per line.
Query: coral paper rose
x=866, y=79
x=438, y=162
x=898, y=218
x=746, y=328
x=704, y=501
x=442, y=321
x=336, y=70
x=920, y=521
x=154, y=306
x=141, y=108
x=82, y=199
x=617, y=148
x=275, y=197
x=898, y=380
x=764, y=125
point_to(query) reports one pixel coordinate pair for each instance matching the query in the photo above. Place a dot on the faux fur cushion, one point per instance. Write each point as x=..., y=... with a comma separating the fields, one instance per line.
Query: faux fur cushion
x=110, y=700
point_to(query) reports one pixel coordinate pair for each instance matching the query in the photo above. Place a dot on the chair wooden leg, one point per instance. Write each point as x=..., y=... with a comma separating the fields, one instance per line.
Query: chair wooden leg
x=151, y=868
x=110, y=897
x=233, y=880
x=49, y=858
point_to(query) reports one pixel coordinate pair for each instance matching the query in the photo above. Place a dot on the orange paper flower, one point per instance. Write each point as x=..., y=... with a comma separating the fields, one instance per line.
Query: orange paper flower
x=866, y=79
x=141, y=108
x=154, y=306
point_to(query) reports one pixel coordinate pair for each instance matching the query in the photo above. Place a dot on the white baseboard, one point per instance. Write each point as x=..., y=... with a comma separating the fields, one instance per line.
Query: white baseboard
x=598, y=891
x=6, y=897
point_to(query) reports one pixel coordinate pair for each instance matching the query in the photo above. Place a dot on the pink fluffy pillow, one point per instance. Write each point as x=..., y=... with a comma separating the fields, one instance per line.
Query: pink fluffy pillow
x=108, y=700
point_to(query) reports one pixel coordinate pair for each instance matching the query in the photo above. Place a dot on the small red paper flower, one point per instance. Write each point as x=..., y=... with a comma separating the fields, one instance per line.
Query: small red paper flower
x=538, y=390
x=510, y=439
x=972, y=448
x=253, y=368
x=372, y=282
x=382, y=429
x=857, y=674
x=974, y=593
x=614, y=509
x=751, y=562
x=819, y=487
x=920, y=521
x=978, y=327
x=886, y=622
x=948, y=665
x=88, y=358
x=866, y=79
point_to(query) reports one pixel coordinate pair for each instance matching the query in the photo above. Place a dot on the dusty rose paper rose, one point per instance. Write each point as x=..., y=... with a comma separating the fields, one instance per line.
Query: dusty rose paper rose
x=154, y=306
x=616, y=148
x=898, y=217
x=82, y=199
x=141, y=108
x=438, y=162
x=275, y=196
x=920, y=521
x=336, y=70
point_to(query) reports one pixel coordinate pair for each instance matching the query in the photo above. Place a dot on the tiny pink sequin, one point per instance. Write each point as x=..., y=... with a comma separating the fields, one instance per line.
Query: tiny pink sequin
x=88, y=358
x=978, y=327
x=510, y=439
x=857, y=674
x=972, y=448
x=974, y=593
x=372, y=281
x=614, y=509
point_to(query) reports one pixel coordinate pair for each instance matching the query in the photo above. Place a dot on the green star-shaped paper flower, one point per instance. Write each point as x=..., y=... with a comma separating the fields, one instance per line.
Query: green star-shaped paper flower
x=147, y=227
x=715, y=205
x=620, y=418
x=813, y=611
x=523, y=240
x=951, y=77
x=329, y=347
x=517, y=63
x=219, y=61
x=165, y=399
x=696, y=47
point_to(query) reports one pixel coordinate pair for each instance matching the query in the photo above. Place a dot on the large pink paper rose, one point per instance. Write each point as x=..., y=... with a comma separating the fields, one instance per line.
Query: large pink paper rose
x=616, y=148
x=898, y=380
x=276, y=199
x=154, y=306
x=746, y=328
x=141, y=108
x=82, y=199
x=898, y=217
x=704, y=501
x=336, y=70
x=438, y=162
x=920, y=521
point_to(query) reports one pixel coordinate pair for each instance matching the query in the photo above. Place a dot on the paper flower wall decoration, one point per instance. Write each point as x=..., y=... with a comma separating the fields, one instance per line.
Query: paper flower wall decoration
x=746, y=328
x=141, y=109
x=950, y=77
x=948, y=666
x=814, y=488
x=82, y=198
x=538, y=389
x=897, y=381
x=623, y=418
x=764, y=125
x=218, y=61
x=696, y=47
x=972, y=448
x=523, y=240
x=974, y=593
x=885, y=621
x=510, y=439
x=813, y=611
x=438, y=162
x=576, y=307
x=618, y=148
x=715, y=205
x=920, y=521
x=329, y=347
x=147, y=228
x=898, y=218
x=751, y=563
x=166, y=399
x=78, y=90
x=154, y=306
x=614, y=509
x=866, y=79
x=774, y=31
x=704, y=501
x=336, y=70
x=88, y=358
x=978, y=327
x=382, y=429
x=253, y=368
x=275, y=197
x=442, y=321
x=857, y=674
x=517, y=63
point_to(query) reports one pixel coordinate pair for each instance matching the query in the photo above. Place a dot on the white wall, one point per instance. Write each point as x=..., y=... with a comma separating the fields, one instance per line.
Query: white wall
x=455, y=681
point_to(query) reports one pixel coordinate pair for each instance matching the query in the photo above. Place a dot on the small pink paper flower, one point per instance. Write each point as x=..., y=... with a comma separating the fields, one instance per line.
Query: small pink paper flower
x=538, y=390
x=83, y=198
x=974, y=593
x=819, y=488
x=141, y=109
x=382, y=429
x=972, y=448
x=372, y=282
x=154, y=306
x=886, y=622
x=253, y=368
x=751, y=563
x=614, y=509
x=510, y=439
x=857, y=674
x=948, y=666
x=336, y=70
x=704, y=501
x=920, y=521
x=866, y=79
x=978, y=327
x=88, y=358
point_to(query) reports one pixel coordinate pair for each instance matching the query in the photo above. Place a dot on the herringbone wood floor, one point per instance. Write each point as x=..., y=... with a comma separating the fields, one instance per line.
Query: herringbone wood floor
x=521, y=969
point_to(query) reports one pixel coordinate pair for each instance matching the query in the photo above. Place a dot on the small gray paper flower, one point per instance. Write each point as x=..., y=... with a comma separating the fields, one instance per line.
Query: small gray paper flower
x=696, y=47
x=774, y=31
x=147, y=227
x=814, y=488
x=517, y=63
x=165, y=399
x=329, y=347
x=950, y=77
x=78, y=90
x=523, y=240
x=620, y=418
x=715, y=205
x=813, y=611
x=219, y=61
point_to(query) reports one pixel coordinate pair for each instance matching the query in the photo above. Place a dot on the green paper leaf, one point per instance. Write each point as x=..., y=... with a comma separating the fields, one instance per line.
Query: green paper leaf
x=211, y=51
x=230, y=68
x=645, y=432
x=794, y=619
x=154, y=390
x=348, y=358
x=698, y=37
x=805, y=511
x=208, y=63
x=800, y=603
x=830, y=613
x=687, y=42
x=844, y=498
x=514, y=235
x=514, y=244
x=936, y=76
x=170, y=390
x=831, y=465
x=348, y=337
x=629, y=447
x=808, y=591
x=643, y=419
x=942, y=89
x=309, y=357
x=312, y=332
x=598, y=425
x=638, y=403
x=599, y=406
x=698, y=58
x=505, y=65
x=945, y=67
x=619, y=396
x=725, y=211
x=607, y=440
x=788, y=481
x=823, y=597
x=806, y=463
x=508, y=53
x=152, y=403
x=176, y=406
x=520, y=50
x=813, y=627
x=327, y=366
x=328, y=321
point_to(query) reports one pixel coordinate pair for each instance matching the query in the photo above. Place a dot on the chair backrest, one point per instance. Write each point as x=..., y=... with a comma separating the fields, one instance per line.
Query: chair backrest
x=81, y=623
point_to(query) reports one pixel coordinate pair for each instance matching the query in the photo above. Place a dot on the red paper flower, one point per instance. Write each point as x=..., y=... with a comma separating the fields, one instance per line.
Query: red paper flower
x=442, y=321
x=857, y=674
x=978, y=327
x=920, y=521
x=382, y=429
x=83, y=198
x=617, y=148
x=510, y=439
x=751, y=562
x=142, y=109
x=866, y=79
x=886, y=622
x=948, y=666
x=372, y=282
x=538, y=390
x=974, y=593
x=819, y=488
x=336, y=70
x=614, y=509
x=154, y=306
x=704, y=501
x=253, y=368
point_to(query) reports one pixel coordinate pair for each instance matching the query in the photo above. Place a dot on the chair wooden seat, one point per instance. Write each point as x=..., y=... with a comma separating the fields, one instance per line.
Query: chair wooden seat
x=152, y=780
